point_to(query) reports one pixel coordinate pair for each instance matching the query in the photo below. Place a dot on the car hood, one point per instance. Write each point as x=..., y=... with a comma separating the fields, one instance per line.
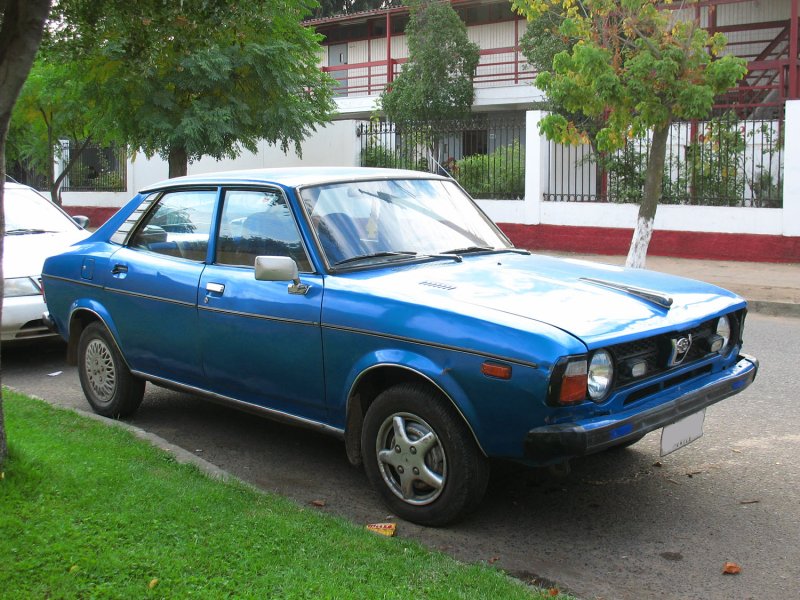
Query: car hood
x=578, y=297
x=24, y=255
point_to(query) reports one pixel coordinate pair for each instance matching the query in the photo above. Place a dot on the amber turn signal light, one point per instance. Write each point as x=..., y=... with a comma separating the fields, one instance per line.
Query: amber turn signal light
x=495, y=370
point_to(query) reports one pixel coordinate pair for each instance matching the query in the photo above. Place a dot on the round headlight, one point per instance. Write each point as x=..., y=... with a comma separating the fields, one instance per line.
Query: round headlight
x=601, y=373
x=724, y=331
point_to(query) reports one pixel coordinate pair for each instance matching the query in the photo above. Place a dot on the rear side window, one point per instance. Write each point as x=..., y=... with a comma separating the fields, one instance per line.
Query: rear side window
x=178, y=225
x=258, y=223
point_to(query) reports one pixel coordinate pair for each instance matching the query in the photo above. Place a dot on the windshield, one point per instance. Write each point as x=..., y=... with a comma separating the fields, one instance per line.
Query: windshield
x=397, y=218
x=27, y=212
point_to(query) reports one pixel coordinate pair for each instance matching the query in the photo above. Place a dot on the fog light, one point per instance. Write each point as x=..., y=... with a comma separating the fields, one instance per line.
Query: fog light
x=637, y=368
x=715, y=343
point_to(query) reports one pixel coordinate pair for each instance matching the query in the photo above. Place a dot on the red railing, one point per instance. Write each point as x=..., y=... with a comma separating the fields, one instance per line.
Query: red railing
x=368, y=78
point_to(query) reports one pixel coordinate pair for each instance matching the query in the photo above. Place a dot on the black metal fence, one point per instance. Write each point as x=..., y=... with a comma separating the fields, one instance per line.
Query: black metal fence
x=486, y=155
x=720, y=162
x=96, y=169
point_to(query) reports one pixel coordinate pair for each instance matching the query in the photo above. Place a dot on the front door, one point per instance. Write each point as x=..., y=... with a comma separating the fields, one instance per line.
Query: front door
x=337, y=56
x=261, y=344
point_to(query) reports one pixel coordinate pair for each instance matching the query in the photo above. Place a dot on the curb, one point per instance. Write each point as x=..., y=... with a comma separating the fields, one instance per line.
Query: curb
x=774, y=309
x=182, y=456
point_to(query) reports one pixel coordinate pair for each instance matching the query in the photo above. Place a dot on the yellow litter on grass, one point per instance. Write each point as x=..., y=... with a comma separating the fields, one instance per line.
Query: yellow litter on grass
x=387, y=529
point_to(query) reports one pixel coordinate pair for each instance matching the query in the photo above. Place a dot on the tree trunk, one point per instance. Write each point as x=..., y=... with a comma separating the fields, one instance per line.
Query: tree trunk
x=178, y=162
x=20, y=36
x=637, y=254
x=55, y=190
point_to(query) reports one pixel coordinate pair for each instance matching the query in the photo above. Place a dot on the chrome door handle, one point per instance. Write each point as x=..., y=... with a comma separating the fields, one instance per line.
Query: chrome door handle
x=215, y=288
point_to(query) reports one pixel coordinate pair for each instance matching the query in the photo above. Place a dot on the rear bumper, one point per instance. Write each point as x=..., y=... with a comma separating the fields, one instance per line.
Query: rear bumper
x=567, y=440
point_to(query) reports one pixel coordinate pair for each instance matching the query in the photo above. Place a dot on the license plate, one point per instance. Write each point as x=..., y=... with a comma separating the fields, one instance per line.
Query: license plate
x=682, y=433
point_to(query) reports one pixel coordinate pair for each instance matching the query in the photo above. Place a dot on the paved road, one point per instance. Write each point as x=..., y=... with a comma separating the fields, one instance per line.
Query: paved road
x=623, y=524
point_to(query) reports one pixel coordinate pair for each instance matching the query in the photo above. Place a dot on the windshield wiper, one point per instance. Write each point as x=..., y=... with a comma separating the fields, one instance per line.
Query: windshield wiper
x=468, y=250
x=22, y=231
x=472, y=249
x=373, y=255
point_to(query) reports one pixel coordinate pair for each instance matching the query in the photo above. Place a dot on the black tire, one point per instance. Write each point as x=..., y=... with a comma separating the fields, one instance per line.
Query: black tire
x=109, y=386
x=434, y=485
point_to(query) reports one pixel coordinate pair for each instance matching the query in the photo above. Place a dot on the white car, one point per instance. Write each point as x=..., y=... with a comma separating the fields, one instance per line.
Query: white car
x=35, y=229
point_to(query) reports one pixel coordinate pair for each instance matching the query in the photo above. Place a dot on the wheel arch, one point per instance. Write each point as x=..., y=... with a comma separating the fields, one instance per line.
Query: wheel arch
x=379, y=377
x=81, y=315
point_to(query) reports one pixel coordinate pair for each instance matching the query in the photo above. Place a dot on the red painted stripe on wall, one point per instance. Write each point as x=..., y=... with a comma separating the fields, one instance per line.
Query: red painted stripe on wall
x=680, y=244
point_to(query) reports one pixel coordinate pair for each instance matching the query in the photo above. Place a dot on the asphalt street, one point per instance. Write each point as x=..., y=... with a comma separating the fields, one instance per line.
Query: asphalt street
x=623, y=524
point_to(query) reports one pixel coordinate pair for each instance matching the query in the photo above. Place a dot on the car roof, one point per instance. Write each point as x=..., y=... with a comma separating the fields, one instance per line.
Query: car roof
x=291, y=176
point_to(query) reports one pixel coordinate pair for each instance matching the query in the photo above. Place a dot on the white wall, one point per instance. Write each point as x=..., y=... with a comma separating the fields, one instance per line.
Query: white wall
x=333, y=145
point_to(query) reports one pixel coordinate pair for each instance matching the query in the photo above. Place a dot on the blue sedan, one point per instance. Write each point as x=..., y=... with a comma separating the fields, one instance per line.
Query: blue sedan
x=384, y=307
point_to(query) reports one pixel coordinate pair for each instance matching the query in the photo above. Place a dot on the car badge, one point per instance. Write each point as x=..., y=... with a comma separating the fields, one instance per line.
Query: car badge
x=680, y=349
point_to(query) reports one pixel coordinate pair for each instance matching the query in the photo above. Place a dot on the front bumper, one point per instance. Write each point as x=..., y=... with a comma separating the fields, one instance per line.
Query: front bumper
x=568, y=440
x=22, y=319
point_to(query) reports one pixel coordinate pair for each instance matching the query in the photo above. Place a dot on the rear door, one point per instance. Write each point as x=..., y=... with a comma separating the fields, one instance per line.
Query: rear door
x=260, y=343
x=152, y=286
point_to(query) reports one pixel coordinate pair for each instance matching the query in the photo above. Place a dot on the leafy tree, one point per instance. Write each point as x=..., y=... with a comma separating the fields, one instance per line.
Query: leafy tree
x=636, y=68
x=185, y=80
x=21, y=27
x=329, y=8
x=436, y=82
x=54, y=104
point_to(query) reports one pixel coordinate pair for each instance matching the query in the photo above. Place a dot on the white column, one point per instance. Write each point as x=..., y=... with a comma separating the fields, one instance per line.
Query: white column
x=791, y=174
x=536, y=153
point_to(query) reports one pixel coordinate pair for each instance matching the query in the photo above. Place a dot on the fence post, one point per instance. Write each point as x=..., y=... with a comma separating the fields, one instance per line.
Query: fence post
x=791, y=176
x=536, y=155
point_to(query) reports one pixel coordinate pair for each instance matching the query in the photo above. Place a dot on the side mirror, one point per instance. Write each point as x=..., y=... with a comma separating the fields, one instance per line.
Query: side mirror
x=280, y=268
x=81, y=221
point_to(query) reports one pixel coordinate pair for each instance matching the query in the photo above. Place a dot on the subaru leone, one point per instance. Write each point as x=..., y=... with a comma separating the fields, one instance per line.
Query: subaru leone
x=385, y=308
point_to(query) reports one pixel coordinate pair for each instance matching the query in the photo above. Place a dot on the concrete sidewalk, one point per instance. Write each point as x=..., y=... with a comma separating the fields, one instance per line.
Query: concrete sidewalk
x=769, y=288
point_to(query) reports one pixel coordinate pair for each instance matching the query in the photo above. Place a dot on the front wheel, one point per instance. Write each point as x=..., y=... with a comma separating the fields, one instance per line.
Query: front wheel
x=422, y=458
x=110, y=388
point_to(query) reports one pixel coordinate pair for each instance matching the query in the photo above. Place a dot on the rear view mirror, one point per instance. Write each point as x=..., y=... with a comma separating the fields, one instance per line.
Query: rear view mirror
x=280, y=268
x=81, y=221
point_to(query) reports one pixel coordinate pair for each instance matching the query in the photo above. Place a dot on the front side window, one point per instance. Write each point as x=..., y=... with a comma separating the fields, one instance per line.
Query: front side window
x=258, y=223
x=178, y=225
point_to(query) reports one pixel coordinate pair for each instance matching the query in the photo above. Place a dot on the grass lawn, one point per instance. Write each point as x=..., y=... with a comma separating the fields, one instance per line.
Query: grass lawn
x=89, y=511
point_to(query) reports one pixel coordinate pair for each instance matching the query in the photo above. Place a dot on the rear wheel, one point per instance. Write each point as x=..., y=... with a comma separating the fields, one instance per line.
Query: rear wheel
x=109, y=386
x=420, y=455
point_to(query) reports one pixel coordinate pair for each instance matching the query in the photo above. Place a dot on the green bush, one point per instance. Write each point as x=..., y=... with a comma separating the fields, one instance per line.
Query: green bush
x=500, y=174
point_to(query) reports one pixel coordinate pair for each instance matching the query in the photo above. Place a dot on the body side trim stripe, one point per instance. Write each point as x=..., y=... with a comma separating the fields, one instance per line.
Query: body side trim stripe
x=250, y=315
x=245, y=406
x=70, y=280
x=400, y=338
x=151, y=297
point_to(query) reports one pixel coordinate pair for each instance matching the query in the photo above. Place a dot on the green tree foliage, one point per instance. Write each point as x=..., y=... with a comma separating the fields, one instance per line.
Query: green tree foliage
x=329, y=8
x=185, y=80
x=21, y=26
x=436, y=82
x=54, y=104
x=636, y=68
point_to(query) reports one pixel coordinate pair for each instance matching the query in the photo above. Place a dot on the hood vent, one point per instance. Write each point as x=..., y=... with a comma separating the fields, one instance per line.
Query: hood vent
x=653, y=296
x=440, y=286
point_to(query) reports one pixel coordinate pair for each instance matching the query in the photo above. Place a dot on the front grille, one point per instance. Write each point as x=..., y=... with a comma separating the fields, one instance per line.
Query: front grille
x=655, y=351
